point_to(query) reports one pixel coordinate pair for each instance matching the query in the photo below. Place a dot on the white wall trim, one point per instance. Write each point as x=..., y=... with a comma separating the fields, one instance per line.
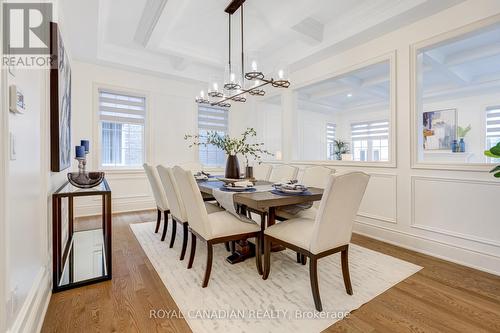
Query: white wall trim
x=443, y=231
x=415, y=164
x=32, y=313
x=376, y=217
x=421, y=244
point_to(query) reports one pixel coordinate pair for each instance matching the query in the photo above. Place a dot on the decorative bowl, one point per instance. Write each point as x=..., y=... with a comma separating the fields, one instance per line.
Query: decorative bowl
x=85, y=179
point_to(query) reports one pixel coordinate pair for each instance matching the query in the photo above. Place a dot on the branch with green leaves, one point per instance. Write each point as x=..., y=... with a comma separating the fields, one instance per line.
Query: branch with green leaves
x=494, y=152
x=231, y=146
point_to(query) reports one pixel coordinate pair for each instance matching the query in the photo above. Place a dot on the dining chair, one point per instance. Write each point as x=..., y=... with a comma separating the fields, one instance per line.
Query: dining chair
x=215, y=228
x=160, y=198
x=262, y=171
x=315, y=176
x=283, y=172
x=177, y=208
x=330, y=232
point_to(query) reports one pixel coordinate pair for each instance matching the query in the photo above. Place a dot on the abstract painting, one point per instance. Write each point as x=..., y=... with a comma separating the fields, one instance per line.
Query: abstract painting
x=439, y=129
x=60, y=103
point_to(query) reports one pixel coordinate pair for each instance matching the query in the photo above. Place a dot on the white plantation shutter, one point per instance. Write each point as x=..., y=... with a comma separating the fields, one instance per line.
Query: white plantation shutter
x=122, y=120
x=493, y=123
x=370, y=140
x=212, y=119
x=330, y=137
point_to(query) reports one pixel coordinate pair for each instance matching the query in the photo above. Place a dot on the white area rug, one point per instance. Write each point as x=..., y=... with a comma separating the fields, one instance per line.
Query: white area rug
x=238, y=300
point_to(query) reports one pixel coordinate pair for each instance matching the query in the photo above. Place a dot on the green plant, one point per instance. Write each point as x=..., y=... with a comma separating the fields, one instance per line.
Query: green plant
x=341, y=147
x=462, y=132
x=231, y=146
x=494, y=152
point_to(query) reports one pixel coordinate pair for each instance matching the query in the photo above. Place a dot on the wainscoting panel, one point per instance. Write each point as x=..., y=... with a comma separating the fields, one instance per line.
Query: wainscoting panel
x=380, y=200
x=465, y=209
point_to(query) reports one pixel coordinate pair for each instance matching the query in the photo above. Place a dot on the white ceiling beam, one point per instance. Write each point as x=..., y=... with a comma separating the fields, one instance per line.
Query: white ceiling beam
x=149, y=19
x=179, y=63
x=310, y=30
x=433, y=59
x=476, y=53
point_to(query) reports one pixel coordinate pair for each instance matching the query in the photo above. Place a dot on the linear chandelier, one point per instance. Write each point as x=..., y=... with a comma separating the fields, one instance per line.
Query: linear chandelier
x=234, y=88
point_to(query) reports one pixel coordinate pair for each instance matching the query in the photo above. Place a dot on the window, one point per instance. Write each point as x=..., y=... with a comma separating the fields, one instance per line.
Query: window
x=330, y=138
x=212, y=119
x=492, y=126
x=370, y=141
x=122, y=119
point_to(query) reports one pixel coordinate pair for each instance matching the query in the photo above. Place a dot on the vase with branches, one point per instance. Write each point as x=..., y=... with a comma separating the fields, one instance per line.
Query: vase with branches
x=232, y=147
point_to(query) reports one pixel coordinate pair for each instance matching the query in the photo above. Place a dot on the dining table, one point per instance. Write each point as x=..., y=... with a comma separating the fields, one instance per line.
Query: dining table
x=262, y=203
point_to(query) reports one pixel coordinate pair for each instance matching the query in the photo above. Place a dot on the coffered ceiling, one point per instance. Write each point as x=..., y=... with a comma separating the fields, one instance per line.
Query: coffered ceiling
x=188, y=38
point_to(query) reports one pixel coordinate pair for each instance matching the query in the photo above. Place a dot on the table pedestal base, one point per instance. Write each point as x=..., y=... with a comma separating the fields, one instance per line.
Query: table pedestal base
x=244, y=250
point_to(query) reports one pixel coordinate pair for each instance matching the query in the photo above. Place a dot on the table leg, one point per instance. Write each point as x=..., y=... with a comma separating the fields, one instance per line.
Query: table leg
x=244, y=249
x=271, y=220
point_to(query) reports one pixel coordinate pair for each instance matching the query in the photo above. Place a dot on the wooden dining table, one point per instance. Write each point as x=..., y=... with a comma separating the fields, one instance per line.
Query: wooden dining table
x=264, y=204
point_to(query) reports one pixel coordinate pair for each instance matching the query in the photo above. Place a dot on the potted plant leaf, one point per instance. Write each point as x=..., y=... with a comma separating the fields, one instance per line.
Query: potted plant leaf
x=232, y=147
x=341, y=147
x=494, y=152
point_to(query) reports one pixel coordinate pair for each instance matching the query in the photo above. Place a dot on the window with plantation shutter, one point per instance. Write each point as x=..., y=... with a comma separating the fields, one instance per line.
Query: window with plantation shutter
x=492, y=126
x=330, y=138
x=122, y=124
x=370, y=141
x=212, y=119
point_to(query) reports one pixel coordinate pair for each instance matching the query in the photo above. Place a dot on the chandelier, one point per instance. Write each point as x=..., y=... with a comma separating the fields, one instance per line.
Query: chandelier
x=234, y=87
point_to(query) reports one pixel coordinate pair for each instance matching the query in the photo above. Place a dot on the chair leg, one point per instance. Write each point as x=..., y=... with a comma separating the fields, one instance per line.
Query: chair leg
x=165, y=226
x=208, y=269
x=303, y=259
x=158, y=220
x=193, y=250
x=185, y=233
x=299, y=257
x=258, y=253
x=174, y=232
x=313, y=276
x=267, y=257
x=226, y=244
x=345, y=271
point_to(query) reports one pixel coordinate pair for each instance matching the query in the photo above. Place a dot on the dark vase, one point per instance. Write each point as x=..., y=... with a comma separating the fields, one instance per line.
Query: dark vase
x=232, y=167
x=249, y=172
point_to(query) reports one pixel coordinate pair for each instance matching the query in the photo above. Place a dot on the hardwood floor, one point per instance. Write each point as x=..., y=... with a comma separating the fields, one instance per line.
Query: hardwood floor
x=442, y=297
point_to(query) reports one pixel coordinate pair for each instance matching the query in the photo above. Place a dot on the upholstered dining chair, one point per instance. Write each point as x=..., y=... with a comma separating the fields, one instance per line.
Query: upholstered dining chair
x=330, y=232
x=262, y=171
x=177, y=209
x=160, y=198
x=283, y=172
x=212, y=228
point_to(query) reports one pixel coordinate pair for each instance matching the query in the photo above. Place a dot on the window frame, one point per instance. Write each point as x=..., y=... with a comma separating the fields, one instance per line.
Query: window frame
x=414, y=98
x=369, y=141
x=209, y=167
x=97, y=135
x=327, y=126
x=390, y=57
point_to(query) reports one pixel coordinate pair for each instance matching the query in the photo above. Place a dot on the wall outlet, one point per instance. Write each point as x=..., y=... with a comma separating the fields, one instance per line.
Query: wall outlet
x=12, y=146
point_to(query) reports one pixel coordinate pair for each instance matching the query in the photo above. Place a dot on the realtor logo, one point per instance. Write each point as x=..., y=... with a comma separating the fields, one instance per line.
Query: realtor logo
x=26, y=28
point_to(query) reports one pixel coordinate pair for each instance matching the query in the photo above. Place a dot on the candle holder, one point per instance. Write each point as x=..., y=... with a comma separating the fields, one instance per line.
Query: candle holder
x=82, y=178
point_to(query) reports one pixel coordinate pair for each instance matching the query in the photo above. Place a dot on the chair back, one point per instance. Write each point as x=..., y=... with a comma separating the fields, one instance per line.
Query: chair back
x=316, y=176
x=262, y=171
x=283, y=172
x=173, y=194
x=194, y=167
x=337, y=210
x=158, y=193
x=193, y=202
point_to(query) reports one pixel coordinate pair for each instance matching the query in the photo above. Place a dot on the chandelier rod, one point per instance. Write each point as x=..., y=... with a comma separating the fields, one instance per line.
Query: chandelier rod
x=230, y=43
x=242, y=52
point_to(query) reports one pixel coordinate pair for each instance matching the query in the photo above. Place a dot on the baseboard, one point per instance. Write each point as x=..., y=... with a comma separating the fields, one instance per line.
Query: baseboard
x=442, y=250
x=119, y=206
x=30, y=317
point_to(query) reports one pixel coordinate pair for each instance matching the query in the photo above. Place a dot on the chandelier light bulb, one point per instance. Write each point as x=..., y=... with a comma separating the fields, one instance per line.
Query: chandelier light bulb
x=216, y=86
x=232, y=77
x=280, y=74
x=254, y=65
x=202, y=94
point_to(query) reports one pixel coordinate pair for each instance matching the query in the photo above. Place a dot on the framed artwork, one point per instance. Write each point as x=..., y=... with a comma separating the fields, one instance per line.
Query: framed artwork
x=60, y=103
x=439, y=129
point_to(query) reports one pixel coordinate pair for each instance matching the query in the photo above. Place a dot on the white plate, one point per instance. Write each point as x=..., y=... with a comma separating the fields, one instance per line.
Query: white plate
x=284, y=190
x=237, y=188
